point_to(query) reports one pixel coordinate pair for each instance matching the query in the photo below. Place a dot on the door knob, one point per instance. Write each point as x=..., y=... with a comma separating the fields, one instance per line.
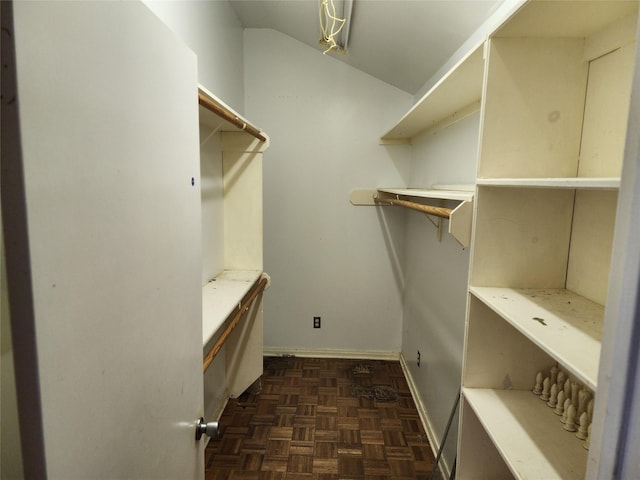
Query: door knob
x=210, y=429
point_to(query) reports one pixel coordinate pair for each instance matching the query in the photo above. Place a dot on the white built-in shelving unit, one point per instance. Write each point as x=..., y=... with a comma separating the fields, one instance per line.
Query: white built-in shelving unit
x=231, y=152
x=553, y=84
x=553, y=124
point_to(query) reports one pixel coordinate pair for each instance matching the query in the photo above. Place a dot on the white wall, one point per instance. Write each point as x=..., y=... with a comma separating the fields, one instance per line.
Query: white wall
x=436, y=279
x=212, y=30
x=326, y=257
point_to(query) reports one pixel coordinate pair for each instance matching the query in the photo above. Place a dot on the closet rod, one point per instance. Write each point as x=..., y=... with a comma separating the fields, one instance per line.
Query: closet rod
x=428, y=209
x=230, y=117
x=256, y=290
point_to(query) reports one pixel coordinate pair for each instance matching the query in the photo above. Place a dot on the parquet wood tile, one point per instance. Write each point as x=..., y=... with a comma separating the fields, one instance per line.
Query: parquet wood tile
x=322, y=419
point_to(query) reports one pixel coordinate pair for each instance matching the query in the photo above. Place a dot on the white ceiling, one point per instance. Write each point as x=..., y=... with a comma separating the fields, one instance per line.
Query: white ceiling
x=402, y=42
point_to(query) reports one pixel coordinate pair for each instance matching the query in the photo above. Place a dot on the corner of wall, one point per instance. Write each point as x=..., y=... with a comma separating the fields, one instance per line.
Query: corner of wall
x=212, y=30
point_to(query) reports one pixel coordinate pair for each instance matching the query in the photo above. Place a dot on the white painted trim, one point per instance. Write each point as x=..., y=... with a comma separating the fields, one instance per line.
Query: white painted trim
x=330, y=353
x=422, y=412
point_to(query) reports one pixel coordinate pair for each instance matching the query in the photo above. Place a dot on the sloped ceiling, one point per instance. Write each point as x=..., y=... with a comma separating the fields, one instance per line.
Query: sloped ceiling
x=401, y=42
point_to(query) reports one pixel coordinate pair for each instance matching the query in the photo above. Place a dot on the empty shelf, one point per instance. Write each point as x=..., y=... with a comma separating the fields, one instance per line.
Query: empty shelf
x=528, y=435
x=221, y=296
x=564, y=324
x=591, y=183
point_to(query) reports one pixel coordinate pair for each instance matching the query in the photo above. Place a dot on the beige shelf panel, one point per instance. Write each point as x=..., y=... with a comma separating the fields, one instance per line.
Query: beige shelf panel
x=527, y=434
x=566, y=326
x=461, y=195
x=454, y=97
x=218, y=116
x=583, y=183
x=221, y=296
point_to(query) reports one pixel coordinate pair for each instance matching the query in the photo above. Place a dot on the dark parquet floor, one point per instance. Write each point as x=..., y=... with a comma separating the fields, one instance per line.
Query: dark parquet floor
x=322, y=419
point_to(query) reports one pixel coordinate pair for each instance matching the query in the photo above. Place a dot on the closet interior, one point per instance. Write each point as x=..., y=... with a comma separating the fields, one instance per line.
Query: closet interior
x=552, y=85
x=231, y=151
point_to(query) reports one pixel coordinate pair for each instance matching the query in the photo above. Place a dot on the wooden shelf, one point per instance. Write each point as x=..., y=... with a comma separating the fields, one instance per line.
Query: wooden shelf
x=565, y=325
x=563, y=19
x=460, y=217
x=218, y=116
x=366, y=196
x=555, y=107
x=582, y=183
x=454, y=97
x=221, y=296
x=527, y=434
x=459, y=195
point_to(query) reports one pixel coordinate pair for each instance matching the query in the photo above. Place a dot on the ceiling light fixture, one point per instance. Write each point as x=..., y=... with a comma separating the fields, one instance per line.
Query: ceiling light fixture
x=334, y=24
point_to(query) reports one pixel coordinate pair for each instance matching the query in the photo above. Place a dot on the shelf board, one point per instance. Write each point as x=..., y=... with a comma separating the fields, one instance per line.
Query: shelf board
x=455, y=96
x=221, y=296
x=528, y=435
x=366, y=196
x=572, y=328
x=582, y=183
x=458, y=195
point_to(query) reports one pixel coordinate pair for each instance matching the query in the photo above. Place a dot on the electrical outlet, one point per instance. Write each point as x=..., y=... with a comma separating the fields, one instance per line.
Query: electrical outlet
x=316, y=322
x=418, y=357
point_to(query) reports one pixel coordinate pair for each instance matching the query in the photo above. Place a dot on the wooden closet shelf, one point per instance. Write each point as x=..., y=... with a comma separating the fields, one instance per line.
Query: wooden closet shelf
x=235, y=317
x=527, y=434
x=229, y=116
x=441, y=212
x=465, y=194
x=221, y=296
x=459, y=217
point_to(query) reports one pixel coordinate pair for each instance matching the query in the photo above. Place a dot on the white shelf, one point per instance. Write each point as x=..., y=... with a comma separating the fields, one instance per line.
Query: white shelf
x=455, y=96
x=528, y=435
x=366, y=196
x=583, y=183
x=221, y=296
x=564, y=324
x=458, y=195
x=459, y=220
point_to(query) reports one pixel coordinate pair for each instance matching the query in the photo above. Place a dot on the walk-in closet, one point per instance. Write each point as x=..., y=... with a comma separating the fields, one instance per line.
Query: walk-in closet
x=320, y=239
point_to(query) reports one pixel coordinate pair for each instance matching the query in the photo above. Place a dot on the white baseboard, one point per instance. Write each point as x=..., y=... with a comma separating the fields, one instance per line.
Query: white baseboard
x=445, y=469
x=331, y=353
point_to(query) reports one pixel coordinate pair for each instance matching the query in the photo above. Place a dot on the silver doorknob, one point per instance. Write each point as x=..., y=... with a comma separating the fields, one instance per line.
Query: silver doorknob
x=210, y=429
